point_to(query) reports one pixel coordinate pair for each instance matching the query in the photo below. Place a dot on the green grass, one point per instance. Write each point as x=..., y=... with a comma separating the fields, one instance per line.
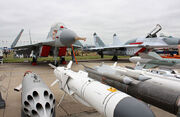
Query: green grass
x=11, y=59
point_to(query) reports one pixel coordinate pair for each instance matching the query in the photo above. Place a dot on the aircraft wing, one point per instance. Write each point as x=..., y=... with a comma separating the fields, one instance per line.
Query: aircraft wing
x=131, y=46
x=50, y=43
x=158, y=46
x=112, y=47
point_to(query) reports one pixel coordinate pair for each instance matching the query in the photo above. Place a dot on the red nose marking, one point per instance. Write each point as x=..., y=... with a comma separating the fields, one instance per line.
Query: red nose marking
x=136, y=43
x=27, y=72
x=61, y=26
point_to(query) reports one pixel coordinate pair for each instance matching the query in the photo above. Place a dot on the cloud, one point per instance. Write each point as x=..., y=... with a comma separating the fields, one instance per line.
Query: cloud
x=128, y=18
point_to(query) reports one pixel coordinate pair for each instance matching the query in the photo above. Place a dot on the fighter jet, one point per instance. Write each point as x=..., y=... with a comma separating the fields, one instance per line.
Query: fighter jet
x=59, y=38
x=135, y=46
x=152, y=60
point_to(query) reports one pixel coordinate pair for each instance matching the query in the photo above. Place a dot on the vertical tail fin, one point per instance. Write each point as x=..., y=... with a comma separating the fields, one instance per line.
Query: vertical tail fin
x=97, y=41
x=17, y=39
x=30, y=37
x=116, y=40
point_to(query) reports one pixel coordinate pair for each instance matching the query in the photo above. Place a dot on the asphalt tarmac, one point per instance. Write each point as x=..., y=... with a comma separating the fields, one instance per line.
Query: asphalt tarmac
x=69, y=108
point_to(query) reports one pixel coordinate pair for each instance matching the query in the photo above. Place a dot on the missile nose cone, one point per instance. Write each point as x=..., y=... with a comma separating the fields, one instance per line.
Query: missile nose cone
x=130, y=107
x=131, y=59
x=67, y=37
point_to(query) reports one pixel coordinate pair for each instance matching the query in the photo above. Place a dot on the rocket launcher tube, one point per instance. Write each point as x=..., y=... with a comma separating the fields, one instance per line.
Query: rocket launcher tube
x=37, y=99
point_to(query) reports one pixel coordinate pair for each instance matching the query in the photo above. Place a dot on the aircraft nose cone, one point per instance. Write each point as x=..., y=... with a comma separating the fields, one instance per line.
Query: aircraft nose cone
x=130, y=107
x=67, y=37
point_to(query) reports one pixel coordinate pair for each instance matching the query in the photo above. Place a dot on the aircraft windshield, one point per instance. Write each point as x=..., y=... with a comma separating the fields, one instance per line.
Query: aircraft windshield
x=58, y=26
x=54, y=29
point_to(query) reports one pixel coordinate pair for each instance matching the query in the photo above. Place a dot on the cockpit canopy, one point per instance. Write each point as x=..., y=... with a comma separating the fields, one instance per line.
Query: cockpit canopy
x=58, y=26
x=55, y=28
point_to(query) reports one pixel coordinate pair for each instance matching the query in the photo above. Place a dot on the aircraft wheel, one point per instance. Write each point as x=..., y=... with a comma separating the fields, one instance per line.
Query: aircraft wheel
x=102, y=55
x=34, y=61
x=62, y=60
x=115, y=58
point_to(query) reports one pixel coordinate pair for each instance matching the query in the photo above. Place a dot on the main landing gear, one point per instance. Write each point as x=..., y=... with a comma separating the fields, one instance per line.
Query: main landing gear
x=115, y=58
x=34, y=60
x=62, y=60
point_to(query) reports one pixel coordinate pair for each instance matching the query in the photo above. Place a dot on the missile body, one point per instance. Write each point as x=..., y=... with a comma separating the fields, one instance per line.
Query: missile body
x=37, y=99
x=105, y=99
x=160, y=92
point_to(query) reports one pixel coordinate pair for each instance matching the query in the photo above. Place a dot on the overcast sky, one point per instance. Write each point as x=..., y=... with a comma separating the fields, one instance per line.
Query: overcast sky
x=127, y=18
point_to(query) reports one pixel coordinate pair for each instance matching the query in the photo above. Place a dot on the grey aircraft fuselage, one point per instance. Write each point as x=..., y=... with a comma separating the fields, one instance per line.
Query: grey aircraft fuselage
x=139, y=45
x=135, y=46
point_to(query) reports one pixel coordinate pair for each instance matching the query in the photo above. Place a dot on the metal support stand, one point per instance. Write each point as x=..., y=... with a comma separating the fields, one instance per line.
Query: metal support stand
x=2, y=102
x=72, y=55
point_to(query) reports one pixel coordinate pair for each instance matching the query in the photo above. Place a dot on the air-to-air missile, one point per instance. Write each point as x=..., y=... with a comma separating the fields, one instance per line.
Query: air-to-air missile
x=36, y=98
x=158, y=91
x=152, y=60
x=105, y=99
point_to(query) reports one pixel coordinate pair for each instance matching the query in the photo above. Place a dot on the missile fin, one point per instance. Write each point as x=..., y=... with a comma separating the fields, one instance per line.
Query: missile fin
x=56, y=81
x=69, y=65
x=52, y=66
x=139, y=66
x=127, y=80
x=115, y=64
x=18, y=88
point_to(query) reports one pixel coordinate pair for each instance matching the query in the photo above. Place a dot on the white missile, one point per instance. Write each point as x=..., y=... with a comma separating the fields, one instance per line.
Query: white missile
x=105, y=99
x=37, y=99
